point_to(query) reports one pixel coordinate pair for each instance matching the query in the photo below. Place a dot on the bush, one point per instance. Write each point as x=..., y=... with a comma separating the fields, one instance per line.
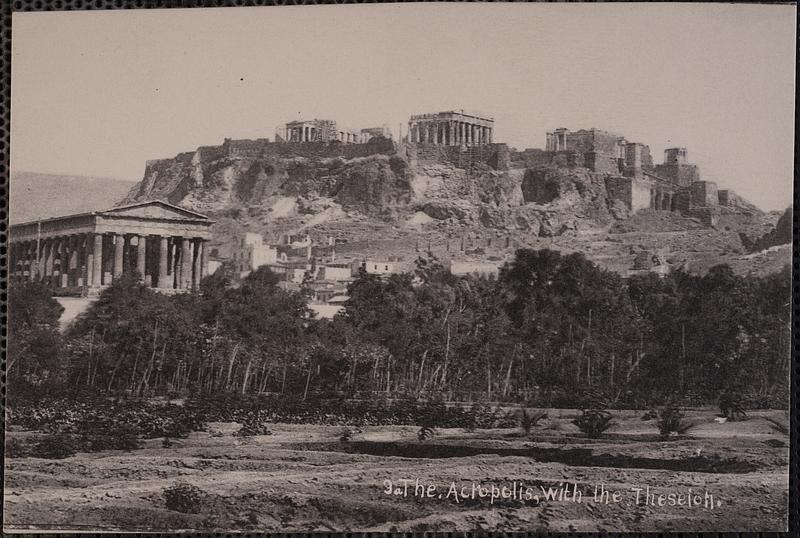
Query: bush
x=184, y=498
x=671, y=420
x=56, y=447
x=731, y=406
x=528, y=421
x=425, y=433
x=593, y=422
x=255, y=423
x=346, y=435
x=116, y=436
x=17, y=448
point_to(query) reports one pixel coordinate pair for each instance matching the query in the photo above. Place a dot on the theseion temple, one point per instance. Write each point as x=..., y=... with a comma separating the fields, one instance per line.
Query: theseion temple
x=452, y=128
x=165, y=244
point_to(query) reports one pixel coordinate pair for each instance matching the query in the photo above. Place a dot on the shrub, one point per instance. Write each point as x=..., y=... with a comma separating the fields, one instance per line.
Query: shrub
x=116, y=437
x=731, y=406
x=17, y=448
x=593, y=422
x=671, y=420
x=184, y=498
x=503, y=419
x=425, y=433
x=166, y=442
x=479, y=415
x=56, y=447
x=254, y=423
x=529, y=420
x=346, y=435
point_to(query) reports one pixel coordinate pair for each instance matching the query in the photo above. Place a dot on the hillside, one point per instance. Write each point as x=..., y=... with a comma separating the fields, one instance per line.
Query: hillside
x=34, y=195
x=389, y=201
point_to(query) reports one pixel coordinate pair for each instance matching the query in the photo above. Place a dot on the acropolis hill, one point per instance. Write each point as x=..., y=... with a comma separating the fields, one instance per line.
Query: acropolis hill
x=451, y=188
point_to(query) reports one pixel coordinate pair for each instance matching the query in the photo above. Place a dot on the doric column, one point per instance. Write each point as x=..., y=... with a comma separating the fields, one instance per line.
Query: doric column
x=63, y=262
x=141, y=253
x=119, y=253
x=451, y=126
x=73, y=259
x=163, y=259
x=97, y=266
x=204, y=252
x=46, y=247
x=61, y=255
x=491, y=135
x=174, y=268
x=186, y=263
x=30, y=263
x=197, y=273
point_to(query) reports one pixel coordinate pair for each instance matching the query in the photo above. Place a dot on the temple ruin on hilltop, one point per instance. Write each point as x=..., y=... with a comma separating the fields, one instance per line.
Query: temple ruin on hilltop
x=464, y=139
x=630, y=174
x=450, y=128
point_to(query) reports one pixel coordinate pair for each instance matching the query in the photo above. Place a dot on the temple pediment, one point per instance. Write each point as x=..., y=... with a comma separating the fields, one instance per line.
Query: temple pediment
x=155, y=209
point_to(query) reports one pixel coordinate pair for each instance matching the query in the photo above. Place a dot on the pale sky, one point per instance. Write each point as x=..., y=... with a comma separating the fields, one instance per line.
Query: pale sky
x=100, y=92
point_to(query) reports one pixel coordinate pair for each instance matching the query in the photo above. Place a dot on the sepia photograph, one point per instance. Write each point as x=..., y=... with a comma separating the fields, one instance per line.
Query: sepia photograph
x=400, y=268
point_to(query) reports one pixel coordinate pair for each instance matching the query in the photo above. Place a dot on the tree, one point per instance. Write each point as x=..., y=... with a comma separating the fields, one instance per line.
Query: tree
x=33, y=336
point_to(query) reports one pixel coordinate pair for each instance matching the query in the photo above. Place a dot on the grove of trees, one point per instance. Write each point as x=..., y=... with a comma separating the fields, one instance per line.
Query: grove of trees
x=551, y=329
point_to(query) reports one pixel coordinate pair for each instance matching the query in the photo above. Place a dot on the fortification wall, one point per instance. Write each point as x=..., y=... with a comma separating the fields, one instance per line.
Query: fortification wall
x=635, y=193
x=704, y=194
x=681, y=174
x=601, y=162
x=497, y=156
x=331, y=149
x=592, y=141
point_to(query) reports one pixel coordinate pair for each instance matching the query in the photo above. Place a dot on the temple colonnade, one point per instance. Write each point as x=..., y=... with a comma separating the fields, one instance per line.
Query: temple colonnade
x=450, y=129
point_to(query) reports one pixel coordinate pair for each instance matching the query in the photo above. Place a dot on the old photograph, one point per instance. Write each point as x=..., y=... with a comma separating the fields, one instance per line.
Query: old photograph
x=400, y=268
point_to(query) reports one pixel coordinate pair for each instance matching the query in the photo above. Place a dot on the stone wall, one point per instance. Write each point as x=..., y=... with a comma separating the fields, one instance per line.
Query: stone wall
x=635, y=193
x=681, y=174
x=496, y=156
x=704, y=194
x=601, y=162
x=262, y=147
x=640, y=194
x=592, y=141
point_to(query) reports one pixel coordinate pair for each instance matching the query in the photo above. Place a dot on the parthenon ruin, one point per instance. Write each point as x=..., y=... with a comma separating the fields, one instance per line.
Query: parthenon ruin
x=318, y=131
x=165, y=244
x=451, y=128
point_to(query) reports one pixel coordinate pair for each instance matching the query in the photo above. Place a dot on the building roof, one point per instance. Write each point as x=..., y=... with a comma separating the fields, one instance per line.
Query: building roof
x=177, y=213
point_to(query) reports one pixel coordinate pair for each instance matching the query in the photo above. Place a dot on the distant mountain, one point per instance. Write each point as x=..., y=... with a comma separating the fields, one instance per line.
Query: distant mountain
x=34, y=195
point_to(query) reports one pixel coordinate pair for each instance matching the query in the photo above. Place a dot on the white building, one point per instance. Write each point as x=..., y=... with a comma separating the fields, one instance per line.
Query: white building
x=383, y=267
x=251, y=253
x=335, y=272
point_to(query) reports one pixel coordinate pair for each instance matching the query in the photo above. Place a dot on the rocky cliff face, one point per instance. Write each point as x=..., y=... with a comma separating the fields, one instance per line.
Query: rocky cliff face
x=780, y=235
x=383, y=200
x=544, y=202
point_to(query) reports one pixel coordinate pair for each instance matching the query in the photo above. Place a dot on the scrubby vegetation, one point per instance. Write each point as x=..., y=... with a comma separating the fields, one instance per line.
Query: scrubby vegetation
x=184, y=498
x=552, y=330
x=594, y=422
x=671, y=420
x=530, y=419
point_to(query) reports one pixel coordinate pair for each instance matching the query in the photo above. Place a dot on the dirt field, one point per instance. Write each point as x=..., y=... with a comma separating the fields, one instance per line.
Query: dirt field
x=304, y=478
